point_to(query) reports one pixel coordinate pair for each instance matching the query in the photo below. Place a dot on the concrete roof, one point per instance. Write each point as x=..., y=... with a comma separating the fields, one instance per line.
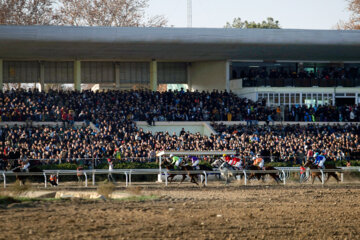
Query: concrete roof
x=176, y=44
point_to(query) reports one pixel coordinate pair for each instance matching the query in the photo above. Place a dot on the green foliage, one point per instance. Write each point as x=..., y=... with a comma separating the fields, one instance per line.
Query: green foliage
x=270, y=23
x=62, y=166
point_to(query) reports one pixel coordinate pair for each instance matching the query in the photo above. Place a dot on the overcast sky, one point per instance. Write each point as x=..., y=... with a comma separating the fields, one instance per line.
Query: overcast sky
x=301, y=14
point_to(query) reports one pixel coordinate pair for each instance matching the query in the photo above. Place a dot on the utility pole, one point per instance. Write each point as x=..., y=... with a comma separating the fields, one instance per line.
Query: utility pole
x=189, y=13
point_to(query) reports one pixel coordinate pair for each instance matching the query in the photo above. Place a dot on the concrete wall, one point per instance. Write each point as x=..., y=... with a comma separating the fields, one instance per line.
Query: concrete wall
x=203, y=128
x=208, y=75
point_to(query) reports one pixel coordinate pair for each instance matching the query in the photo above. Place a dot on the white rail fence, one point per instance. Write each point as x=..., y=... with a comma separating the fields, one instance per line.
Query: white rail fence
x=284, y=173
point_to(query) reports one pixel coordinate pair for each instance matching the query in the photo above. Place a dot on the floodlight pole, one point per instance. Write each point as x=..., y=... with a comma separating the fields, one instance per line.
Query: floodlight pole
x=189, y=13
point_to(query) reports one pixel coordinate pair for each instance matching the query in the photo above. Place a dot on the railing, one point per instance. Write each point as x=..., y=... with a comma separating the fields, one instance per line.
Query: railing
x=300, y=82
x=283, y=172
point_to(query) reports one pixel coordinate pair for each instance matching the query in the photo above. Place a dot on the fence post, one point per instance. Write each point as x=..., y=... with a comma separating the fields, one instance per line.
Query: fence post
x=57, y=177
x=245, y=177
x=93, y=177
x=322, y=176
x=130, y=178
x=342, y=177
x=45, y=179
x=86, y=180
x=205, y=175
x=284, y=176
x=201, y=178
x=166, y=177
x=4, y=176
x=126, y=179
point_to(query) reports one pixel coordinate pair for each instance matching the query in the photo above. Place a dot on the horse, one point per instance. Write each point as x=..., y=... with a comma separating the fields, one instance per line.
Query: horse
x=186, y=168
x=16, y=168
x=227, y=171
x=314, y=174
x=260, y=175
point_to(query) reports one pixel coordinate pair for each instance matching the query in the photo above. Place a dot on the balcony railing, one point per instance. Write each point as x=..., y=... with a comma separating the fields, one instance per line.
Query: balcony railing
x=300, y=82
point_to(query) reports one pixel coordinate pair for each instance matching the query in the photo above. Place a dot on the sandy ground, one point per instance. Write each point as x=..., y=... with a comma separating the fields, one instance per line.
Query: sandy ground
x=185, y=212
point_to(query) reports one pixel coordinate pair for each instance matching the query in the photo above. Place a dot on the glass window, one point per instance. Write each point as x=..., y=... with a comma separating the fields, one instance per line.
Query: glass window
x=282, y=98
x=271, y=99
x=298, y=98
x=276, y=100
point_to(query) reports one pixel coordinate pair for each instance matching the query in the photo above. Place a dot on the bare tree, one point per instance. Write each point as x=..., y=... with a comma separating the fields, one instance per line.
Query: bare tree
x=354, y=21
x=26, y=12
x=119, y=13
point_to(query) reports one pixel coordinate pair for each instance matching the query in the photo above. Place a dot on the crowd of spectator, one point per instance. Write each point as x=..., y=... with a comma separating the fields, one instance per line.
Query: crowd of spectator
x=324, y=73
x=124, y=141
x=114, y=113
x=21, y=105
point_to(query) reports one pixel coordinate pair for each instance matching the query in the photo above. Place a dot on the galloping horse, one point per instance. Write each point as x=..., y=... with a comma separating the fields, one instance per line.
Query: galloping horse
x=171, y=176
x=259, y=175
x=311, y=165
x=16, y=168
x=227, y=171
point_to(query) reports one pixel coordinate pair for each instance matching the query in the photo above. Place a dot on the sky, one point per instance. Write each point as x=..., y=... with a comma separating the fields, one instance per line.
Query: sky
x=298, y=14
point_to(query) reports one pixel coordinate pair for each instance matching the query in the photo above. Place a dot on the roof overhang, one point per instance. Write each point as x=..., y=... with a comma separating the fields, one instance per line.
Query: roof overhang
x=176, y=44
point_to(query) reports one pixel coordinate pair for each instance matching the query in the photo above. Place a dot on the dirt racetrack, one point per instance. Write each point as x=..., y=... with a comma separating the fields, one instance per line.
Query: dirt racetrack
x=189, y=212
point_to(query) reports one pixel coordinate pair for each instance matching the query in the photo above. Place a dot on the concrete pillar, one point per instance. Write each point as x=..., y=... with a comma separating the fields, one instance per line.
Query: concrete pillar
x=153, y=75
x=77, y=75
x=42, y=77
x=1, y=75
x=117, y=76
x=227, y=77
x=188, y=70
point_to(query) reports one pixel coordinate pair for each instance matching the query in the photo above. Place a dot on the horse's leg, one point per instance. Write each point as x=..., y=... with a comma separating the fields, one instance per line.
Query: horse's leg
x=273, y=175
x=194, y=180
x=171, y=177
x=184, y=176
x=319, y=178
x=328, y=176
x=334, y=175
x=313, y=178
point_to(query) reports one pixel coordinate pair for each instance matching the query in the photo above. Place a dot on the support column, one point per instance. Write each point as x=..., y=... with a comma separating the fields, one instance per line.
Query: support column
x=153, y=75
x=42, y=77
x=77, y=75
x=117, y=76
x=189, y=76
x=227, y=77
x=1, y=75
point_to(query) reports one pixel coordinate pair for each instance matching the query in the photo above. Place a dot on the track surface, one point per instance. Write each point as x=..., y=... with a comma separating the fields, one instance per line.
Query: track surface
x=185, y=212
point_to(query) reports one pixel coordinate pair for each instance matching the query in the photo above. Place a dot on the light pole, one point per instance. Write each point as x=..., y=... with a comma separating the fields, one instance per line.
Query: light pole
x=189, y=13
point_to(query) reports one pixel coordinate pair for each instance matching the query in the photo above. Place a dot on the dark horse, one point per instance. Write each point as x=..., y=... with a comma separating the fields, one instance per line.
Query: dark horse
x=16, y=167
x=311, y=165
x=259, y=175
x=186, y=168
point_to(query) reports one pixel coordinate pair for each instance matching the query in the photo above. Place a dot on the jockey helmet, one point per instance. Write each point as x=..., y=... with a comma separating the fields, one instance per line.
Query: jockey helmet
x=224, y=155
x=171, y=155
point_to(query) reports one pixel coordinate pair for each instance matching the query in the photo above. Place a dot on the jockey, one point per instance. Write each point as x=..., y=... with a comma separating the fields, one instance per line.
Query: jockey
x=259, y=161
x=195, y=162
x=176, y=161
x=237, y=162
x=25, y=166
x=319, y=160
x=226, y=158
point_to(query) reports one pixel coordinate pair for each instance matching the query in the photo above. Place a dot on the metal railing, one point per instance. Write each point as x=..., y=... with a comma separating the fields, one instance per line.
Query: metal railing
x=283, y=172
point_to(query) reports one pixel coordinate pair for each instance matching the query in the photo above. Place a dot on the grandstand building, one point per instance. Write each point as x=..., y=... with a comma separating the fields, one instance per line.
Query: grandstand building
x=285, y=67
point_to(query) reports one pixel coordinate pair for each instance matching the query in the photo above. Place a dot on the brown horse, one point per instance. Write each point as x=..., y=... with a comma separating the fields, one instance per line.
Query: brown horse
x=171, y=176
x=16, y=168
x=311, y=165
x=259, y=175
